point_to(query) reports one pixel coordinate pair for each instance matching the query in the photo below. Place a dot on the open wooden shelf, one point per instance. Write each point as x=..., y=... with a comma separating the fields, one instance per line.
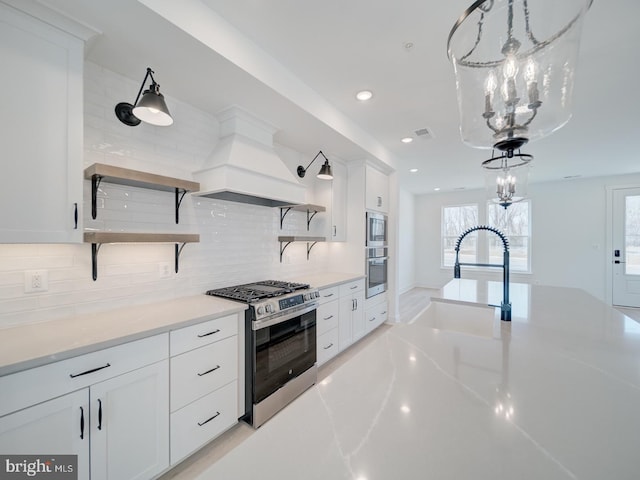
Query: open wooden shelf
x=288, y=239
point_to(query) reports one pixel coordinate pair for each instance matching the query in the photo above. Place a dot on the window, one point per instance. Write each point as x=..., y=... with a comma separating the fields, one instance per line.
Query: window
x=455, y=220
x=514, y=223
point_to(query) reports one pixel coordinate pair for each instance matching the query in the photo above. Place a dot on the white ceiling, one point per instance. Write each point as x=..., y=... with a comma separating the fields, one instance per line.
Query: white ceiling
x=298, y=64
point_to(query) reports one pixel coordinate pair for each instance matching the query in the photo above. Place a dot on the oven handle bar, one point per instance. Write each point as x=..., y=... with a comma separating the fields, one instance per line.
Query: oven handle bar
x=283, y=317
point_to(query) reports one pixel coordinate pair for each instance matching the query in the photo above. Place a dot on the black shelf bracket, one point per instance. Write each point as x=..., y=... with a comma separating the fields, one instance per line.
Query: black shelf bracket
x=283, y=248
x=283, y=213
x=95, y=248
x=309, y=217
x=178, y=252
x=95, y=184
x=309, y=248
x=179, y=199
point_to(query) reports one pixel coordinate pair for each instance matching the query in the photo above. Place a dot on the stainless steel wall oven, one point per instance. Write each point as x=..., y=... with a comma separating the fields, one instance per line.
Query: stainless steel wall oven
x=376, y=271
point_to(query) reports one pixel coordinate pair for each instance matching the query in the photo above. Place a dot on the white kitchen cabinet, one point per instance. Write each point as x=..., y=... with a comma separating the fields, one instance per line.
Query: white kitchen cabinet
x=376, y=190
x=59, y=427
x=333, y=195
x=351, y=322
x=40, y=131
x=376, y=316
x=205, y=383
x=130, y=425
x=327, y=320
x=111, y=406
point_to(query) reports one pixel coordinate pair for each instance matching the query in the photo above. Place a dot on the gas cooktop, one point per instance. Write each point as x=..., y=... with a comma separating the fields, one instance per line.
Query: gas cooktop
x=250, y=292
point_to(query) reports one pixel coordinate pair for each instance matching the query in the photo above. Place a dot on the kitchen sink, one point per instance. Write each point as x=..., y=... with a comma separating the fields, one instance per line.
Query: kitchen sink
x=478, y=320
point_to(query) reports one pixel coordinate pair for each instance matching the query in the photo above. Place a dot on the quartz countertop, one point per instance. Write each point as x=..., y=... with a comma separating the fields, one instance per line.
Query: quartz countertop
x=554, y=396
x=37, y=344
x=328, y=279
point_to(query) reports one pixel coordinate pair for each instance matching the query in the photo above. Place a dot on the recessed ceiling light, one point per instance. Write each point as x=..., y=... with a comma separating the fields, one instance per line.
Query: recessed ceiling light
x=413, y=170
x=406, y=140
x=437, y=189
x=364, y=95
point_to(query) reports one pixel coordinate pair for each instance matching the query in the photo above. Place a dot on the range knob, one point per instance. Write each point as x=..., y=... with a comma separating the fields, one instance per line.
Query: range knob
x=260, y=310
x=316, y=294
x=307, y=296
x=268, y=308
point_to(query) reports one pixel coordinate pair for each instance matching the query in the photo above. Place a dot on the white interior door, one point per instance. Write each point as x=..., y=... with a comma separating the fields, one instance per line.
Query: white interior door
x=626, y=247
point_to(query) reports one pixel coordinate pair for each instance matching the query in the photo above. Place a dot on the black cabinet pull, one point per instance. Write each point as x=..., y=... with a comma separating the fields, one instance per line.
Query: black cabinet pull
x=372, y=319
x=329, y=295
x=354, y=287
x=329, y=317
x=99, y=414
x=210, y=333
x=207, y=421
x=81, y=423
x=89, y=371
x=209, y=371
x=328, y=346
x=75, y=216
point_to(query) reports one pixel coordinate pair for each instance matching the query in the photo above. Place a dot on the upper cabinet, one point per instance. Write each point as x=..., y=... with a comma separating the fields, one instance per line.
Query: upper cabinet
x=333, y=195
x=40, y=131
x=377, y=190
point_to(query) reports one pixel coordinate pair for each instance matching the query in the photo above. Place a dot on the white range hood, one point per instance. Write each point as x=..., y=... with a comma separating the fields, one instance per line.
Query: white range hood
x=244, y=166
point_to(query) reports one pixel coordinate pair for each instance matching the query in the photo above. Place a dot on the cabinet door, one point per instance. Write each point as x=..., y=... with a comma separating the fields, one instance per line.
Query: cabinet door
x=59, y=426
x=40, y=131
x=377, y=190
x=345, y=328
x=130, y=424
x=357, y=317
x=333, y=195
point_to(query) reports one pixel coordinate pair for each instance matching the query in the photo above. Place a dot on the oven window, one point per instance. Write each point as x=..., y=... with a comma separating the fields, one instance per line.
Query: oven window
x=377, y=273
x=282, y=352
x=377, y=230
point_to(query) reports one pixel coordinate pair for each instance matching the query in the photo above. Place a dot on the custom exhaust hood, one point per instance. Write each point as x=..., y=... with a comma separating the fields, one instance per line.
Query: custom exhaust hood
x=244, y=166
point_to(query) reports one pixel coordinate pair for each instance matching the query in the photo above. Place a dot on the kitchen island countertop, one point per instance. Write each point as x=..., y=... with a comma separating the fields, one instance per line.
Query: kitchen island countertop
x=32, y=345
x=554, y=396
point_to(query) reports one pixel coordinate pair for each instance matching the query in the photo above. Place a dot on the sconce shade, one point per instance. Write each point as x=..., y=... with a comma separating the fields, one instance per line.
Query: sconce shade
x=325, y=171
x=514, y=63
x=152, y=109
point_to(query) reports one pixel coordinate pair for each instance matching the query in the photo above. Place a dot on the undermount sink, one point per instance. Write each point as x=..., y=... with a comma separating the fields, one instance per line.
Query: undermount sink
x=476, y=320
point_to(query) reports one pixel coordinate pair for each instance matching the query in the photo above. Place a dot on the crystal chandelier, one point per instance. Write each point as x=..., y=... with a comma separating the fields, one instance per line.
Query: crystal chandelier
x=514, y=62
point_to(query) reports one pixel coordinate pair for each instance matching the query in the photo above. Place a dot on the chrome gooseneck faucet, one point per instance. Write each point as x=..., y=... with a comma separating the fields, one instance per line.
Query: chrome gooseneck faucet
x=505, y=306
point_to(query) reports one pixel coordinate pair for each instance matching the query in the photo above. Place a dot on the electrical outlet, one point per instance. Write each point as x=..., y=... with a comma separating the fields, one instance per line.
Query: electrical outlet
x=36, y=281
x=164, y=269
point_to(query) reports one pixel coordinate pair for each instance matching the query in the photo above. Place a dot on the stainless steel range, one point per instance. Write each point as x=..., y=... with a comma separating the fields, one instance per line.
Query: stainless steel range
x=280, y=335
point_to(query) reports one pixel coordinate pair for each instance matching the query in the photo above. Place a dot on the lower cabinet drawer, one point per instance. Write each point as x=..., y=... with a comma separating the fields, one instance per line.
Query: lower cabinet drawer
x=327, y=345
x=203, y=370
x=327, y=316
x=203, y=420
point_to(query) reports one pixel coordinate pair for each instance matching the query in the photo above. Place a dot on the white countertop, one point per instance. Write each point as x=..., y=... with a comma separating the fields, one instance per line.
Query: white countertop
x=554, y=396
x=328, y=279
x=33, y=345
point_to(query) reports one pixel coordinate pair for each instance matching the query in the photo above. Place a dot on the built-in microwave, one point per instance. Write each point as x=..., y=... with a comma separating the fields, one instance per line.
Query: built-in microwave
x=376, y=230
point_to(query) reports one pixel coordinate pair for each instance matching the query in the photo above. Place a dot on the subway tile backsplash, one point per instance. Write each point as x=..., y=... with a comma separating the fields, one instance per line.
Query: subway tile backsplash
x=238, y=243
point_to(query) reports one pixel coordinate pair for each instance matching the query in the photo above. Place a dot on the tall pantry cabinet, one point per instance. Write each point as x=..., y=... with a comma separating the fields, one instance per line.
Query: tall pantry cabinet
x=40, y=130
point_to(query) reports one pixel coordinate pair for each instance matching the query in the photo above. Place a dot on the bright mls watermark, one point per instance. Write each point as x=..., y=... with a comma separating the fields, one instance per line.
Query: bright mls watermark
x=49, y=467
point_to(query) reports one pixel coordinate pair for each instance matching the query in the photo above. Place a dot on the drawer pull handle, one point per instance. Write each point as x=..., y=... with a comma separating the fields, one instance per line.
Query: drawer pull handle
x=81, y=423
x=210, y=333
x=99, y=414
x=89, y=371
x=328, y=295
x=384, y=313
x=328, y=346
x=209, y=371
x=329, y=317
x=354, y=287
x=207, y=421
x=372, y=319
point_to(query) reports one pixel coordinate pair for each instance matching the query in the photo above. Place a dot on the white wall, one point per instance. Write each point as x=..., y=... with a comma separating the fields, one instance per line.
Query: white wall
x=569, y=234
x=406, y=241
x=238, y=243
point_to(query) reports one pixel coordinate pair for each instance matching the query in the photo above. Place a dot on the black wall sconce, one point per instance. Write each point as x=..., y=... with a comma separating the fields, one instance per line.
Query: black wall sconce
x=151, y=108
x=325, y=170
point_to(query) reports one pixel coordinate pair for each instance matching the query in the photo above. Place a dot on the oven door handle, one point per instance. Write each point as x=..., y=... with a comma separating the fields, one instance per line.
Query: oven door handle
x=283, y=317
